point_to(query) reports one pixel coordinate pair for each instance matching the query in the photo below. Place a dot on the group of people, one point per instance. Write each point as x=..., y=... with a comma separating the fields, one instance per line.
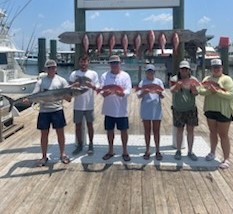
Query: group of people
x=218, y=107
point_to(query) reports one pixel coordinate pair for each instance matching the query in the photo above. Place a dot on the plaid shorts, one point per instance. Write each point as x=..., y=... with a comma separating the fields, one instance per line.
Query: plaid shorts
x=185, y=117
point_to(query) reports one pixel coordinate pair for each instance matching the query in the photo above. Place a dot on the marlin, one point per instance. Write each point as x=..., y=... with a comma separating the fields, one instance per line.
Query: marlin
x=48, y=95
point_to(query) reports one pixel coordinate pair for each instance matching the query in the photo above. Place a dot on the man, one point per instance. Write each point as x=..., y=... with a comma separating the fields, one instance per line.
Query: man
x=51, y=112
x=115, y=105
x=84, y=103
x=184, y=108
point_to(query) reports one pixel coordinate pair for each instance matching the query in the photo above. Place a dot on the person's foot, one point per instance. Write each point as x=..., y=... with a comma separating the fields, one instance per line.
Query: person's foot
x=42, y=162
x=108, y=156
x=90, y=150
x=78, y=149
x=210, y=157
x=65, y=159
x=158, y=156
x=126, y=157
x=225, y=164
x=192, y=156
x=146, y=156
x=178, y=155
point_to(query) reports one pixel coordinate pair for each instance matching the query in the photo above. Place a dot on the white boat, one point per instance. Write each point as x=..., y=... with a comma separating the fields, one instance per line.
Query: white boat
x=27, y=59
x=12, y=76
x=230, y=54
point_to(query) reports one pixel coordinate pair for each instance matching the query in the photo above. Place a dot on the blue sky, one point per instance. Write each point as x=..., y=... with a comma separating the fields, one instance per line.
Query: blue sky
x=49, y=18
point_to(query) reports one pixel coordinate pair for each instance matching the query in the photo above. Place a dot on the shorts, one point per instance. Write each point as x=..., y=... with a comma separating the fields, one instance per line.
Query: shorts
x=215, y=115
x=185, y=117
x=56, y=118
x=121, y=122
x=79, y=114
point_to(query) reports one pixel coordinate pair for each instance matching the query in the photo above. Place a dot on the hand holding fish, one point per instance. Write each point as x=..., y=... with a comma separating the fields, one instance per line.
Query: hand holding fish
x=193, y=89
x=212, y=88
x=119, y=93
x=76, y=85
x=90, y=85
x=106, y=93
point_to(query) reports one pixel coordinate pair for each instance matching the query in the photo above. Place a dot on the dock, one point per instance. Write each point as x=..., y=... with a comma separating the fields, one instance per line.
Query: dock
x=114, y=186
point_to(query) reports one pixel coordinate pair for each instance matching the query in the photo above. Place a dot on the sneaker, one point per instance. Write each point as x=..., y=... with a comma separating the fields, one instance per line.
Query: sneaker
x=158, y=156
x=78, y=149
x=178, y=155
x=224, y=165
x=192, y=156
x=90, y=150
x=210, y=157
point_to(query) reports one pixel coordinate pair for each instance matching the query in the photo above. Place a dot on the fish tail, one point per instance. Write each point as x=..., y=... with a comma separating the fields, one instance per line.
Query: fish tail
x=11, y=101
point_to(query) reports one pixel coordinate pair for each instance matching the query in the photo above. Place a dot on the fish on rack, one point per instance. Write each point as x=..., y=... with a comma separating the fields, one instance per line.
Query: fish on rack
x=151, y=41
x=99, y=42
x=125, y=43
x=162, y=42
x=85, y=43
x=137, y=43
x=112, y=88
x=175, y=42
x=112, y=43
x=152, y=88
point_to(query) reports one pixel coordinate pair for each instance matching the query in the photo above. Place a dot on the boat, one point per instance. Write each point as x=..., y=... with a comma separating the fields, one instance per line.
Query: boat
x=13, y=78
x=65, y=58
x=230, y=54
x=27, y=59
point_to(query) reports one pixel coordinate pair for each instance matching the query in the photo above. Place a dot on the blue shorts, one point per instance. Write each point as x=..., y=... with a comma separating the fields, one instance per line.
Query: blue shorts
x=57, y=119
x=121, y=122
x=215, y=115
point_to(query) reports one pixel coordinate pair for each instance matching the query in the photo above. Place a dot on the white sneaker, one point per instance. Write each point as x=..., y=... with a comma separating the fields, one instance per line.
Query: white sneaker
x=210, y=157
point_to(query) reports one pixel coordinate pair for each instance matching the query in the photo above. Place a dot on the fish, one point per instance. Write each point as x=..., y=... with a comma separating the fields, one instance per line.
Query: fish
x=162, y=42
x=137, y=43
x=113, y=88
x=151, y=40
x=85, y=43
x=125, y=43
x=82, y=80
x=186, y=83
x=48, y=95
x=209, y=83
x=99, y=42
x=175, y=42
x=153, y=88
x=112, y=43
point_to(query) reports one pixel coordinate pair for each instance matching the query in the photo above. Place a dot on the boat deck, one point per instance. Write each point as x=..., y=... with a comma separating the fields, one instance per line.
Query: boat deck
x=111, y=187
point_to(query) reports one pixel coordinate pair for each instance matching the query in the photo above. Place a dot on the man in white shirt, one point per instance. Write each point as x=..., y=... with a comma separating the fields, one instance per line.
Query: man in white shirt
x=84, y=103
x=115, y=105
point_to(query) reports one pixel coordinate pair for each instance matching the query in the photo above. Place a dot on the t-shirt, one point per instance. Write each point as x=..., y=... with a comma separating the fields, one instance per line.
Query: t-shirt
x=50, y=83
x=113, y=105
x=85, y=101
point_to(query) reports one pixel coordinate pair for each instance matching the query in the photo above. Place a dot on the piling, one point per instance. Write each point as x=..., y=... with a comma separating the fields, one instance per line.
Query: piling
x=41, y=54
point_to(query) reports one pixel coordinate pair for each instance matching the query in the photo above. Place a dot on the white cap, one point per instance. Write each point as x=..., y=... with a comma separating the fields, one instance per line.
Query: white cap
x=150, y=67
x=184, y=64
x=114, y=58
x=214, y=62
x=50, y=63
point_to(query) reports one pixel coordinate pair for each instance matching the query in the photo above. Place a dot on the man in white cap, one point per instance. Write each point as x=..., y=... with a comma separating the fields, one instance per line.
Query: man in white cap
x=218, y=108
x=184, y=108
x=51, y=112
x=115, y=105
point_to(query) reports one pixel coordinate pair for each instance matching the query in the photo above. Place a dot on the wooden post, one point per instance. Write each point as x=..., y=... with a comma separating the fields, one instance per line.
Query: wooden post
x=53, y=49
x=41, y=54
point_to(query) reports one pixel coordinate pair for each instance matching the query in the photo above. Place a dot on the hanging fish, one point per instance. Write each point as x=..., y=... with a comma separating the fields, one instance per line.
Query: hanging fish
x=112, y=42
x=99, y=42
x=85, y=43
x=151, y=40
x=137, y=43
x=162, y=42
x=175, y=42
x=125, y=43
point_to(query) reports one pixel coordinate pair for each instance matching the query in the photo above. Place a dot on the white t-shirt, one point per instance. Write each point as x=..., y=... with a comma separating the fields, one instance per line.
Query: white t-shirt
x=85, y=101
x=113, y=105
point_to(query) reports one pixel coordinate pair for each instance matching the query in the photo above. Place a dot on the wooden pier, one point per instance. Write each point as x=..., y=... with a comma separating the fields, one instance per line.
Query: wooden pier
x=107, y=188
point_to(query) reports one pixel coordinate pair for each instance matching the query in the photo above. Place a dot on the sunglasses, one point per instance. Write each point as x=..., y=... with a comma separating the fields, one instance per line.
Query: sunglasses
x=114, y=63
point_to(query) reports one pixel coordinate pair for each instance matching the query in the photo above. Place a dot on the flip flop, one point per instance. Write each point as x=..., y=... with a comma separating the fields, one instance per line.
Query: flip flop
x=126, y=157
x=108, y=156
x=65, y=159
x=42, y=162
x=146, y=156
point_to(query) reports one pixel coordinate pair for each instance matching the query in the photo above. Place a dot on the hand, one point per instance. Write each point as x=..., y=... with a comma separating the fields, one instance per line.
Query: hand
x=106, y=93
x=26, y=101
x=76, y=85
x=178, y=86
x=120, y=93
x=145, y=91
x=193, y=89
x=212, y=89
x=90, y=85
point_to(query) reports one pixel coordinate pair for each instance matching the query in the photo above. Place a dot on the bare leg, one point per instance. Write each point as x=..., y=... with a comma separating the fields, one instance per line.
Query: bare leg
x=156, y=131
x=110, y=135
x=44, y=142
x=90, y=131
x=61, y=141
x=190, y=137
x=179, y=137
x=124, y=139
x=78, y=132
x=147, y=132
x=212, y=124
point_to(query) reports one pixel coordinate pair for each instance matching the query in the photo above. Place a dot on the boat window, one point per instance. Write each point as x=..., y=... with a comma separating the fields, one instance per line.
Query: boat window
x=3, y=59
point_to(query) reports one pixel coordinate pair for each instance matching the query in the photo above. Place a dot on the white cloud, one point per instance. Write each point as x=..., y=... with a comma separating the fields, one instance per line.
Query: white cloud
x=94, y=15
x=163, y=17
x=204, y=20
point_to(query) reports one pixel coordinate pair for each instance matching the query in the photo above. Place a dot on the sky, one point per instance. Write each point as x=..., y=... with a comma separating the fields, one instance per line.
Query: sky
x=49, y=18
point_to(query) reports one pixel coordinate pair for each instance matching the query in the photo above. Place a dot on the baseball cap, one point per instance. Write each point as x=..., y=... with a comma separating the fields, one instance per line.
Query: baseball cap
x=184, y=64
x=150, y=67
x=50, y=63
x=114, y=58
x=215, y=62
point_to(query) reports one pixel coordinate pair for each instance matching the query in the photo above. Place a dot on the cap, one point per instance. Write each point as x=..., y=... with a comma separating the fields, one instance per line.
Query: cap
x=184, y=64
x=114, y=58
x=50, y=63
x=214, y=62
x=150, y=67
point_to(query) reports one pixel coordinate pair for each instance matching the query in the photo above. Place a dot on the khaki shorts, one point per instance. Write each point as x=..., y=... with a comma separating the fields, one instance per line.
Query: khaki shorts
x=79, y=115
x=185, y=117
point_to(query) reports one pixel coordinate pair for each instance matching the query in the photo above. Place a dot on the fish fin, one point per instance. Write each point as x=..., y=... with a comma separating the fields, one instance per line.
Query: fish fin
x=11, y=101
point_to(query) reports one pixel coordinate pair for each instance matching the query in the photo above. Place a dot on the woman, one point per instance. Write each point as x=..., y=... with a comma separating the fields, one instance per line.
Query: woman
x=151, y=110
x=218, y=108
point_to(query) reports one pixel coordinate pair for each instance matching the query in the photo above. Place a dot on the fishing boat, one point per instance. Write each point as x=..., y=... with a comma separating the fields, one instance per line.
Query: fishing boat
x=13, y=79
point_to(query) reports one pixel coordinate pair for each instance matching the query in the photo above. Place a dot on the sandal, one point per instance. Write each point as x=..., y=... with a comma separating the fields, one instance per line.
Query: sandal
x=146, y=156
x=42, y=162
x=65, y=159
x=126, y=157
x=224, y=165
x=158, y=156
x=108, y=156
